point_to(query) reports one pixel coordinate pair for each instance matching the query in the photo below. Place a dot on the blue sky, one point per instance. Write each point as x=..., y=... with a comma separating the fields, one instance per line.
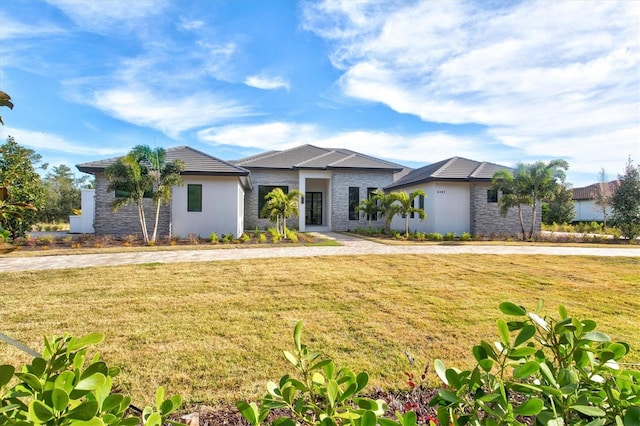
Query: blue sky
x=414, y=82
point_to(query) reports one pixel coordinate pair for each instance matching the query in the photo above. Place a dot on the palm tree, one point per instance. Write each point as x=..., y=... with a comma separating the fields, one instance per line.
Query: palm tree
x=526, y=186
x=404, y=206
x=141, y=171
x=280, y=206
x=369, y=207
x=386, y=207
x=165, y=175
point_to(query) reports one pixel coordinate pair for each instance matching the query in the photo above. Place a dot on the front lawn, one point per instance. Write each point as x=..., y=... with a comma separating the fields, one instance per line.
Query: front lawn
x=214, y=332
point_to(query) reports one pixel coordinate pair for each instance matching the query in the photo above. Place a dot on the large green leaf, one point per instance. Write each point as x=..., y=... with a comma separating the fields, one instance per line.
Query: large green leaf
x=529, y=408
x=297, y=334
x=589, y=410
x=441, y=370
x=509, y=308
x=39, y=412
x=525, y=370
x=522, y=352
x=368, y=419
x=89, y=339
x=527, y=332
x=6, y=373
x=65, y=381
x=32, y=381
x=249, y=411
x=92, y=382
x=291, y=358
x=596, y=336
x=60, y=399
x=84, y=411
x=632, y=416
x=503, y=329
x=332, y=392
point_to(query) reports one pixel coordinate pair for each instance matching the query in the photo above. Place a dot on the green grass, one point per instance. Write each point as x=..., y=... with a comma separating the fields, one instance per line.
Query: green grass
x=214, y=332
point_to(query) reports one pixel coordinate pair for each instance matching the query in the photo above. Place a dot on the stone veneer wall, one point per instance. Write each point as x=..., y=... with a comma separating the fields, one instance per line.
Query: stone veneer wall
x=272, y=178
x=341, y=182
x=487, y=220
x=125, y=221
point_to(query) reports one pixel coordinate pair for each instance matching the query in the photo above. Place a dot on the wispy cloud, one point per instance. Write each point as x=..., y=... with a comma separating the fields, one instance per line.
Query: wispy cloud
x=266, y=83
x=13, y=29
x=531, y=72
x=160, y=110
x=109, y=16
x=41, y=141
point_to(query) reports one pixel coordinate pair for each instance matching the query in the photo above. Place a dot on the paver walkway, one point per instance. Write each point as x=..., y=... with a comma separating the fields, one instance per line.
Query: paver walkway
x=350, y=246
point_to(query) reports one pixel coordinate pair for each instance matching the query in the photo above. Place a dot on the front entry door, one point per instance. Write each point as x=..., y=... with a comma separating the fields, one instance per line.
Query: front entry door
x=313, y=208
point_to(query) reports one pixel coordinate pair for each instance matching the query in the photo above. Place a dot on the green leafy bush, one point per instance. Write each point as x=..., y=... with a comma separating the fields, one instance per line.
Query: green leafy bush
x=434, y=236
x=65, y=387
x=565, y=372
x=262, y=238
x=450, y=236
x=465, y=236
x=320, y=394
x=244, y=238
x=292, y=235
x=213, y=238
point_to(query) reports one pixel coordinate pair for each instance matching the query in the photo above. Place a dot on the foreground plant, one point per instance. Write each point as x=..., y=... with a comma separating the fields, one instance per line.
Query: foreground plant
x=63, y=387
x=563, y=370
x=319, y=395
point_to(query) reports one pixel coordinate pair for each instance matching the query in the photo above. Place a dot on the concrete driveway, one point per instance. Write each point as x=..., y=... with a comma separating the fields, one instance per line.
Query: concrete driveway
x=350, y=246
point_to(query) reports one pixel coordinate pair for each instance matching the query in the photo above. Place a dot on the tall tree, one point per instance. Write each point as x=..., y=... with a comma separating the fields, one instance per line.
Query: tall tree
x=280, y=206
x=18, y=174
x=404, y=205
x=165, y=175
x=603, y=196
x=528, y=185
x=558, y=208
x=62, y=194
x=141, y=171
x=626, y=202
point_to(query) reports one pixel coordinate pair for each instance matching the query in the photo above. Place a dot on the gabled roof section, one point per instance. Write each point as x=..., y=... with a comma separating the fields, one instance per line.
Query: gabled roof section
x=196, y=163
x=591, y=191
x=313, y=157
x=451, y=169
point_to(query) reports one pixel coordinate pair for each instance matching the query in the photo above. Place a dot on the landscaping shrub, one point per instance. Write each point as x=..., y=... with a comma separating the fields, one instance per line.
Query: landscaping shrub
x=434, y=236
x=465, y=236
x=450, y=236
x=66, y=387
x=213, y=238
x=262, y=238
x=564, y=371
x=292, y=236
x=244, y=238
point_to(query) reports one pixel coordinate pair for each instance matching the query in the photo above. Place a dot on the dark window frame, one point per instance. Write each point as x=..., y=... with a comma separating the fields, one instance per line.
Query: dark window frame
x=194, y=204
x=492, y=196
x=354, y=201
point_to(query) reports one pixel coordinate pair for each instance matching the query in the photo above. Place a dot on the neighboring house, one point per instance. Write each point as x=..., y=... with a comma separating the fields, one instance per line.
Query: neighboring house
x=459, y=199
x=333, y=182
x=211, y=199
x=584, y=201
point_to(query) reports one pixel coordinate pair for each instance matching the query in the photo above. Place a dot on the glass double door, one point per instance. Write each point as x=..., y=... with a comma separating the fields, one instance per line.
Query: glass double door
x=313, y=208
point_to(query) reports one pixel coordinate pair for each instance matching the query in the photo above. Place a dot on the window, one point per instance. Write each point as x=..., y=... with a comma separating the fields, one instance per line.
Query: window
x=492, y=196
x=124, y=194
x=263, y=190
x=194, y=198
x=413, y=204
x=421, y=202
x=370, y=194
x=354, y=200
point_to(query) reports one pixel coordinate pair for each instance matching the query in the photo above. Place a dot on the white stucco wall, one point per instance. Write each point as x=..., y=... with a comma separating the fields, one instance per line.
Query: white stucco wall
x=222, y=199
x=316, y=181
x=83, y=224
x=587, y=211
x=447, y=205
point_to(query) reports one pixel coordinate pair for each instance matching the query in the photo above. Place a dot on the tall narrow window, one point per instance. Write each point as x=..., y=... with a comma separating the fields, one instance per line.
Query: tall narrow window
x=354, y=200
x=413, y=204
x=492, y=196
x=370, y=194
x=263, y=190
x=194, y=198
x=421, y=202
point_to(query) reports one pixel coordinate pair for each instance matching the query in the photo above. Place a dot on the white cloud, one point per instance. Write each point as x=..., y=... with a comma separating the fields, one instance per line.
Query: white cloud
x=12, y=29
x=266, y=83
x=52, y=142
x=172, y=114
x=191, y=24
x=425, y=147
x=545, y=78
x=109, y=16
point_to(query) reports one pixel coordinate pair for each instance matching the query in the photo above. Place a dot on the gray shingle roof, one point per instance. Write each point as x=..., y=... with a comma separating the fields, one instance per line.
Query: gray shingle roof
x=313, y=157
x=455, y=168
x=196, y=163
